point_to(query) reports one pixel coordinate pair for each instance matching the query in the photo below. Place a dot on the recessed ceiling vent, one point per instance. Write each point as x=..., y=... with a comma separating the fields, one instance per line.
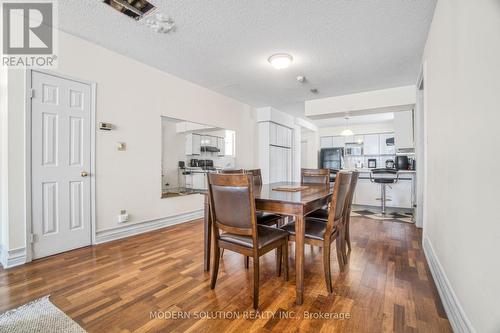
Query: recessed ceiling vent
x=135, y=9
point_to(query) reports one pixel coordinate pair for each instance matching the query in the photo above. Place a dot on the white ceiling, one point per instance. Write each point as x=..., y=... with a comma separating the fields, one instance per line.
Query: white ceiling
x=340, y=46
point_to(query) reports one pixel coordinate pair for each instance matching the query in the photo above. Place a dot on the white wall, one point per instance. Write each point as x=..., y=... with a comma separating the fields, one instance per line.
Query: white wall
x=382, y=127
x=312, y=146
x=375, y=101
x=462, y=88
x=132, y=96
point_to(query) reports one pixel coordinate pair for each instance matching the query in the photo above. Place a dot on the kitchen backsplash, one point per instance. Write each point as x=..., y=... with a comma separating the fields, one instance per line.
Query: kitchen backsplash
x=350, y=161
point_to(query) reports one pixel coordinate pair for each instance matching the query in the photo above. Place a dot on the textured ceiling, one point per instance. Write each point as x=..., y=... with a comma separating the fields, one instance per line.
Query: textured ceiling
x=340, y=46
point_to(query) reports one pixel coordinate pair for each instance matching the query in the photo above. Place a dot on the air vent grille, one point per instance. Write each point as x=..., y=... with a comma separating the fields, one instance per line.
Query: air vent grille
x=135, y=9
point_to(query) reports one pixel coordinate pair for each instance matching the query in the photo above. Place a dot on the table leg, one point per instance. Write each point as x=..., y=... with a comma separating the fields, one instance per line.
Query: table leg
x=299, y=257
x=207, y=235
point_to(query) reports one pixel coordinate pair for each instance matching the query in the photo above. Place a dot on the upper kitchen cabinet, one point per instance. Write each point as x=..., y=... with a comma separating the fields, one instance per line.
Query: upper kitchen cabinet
x=326, y=142
x=386, y=144
x=338, y=141
x=280, y=135
x=221, y=144
x=371, y=145
x=193, y=143
x=403, y=126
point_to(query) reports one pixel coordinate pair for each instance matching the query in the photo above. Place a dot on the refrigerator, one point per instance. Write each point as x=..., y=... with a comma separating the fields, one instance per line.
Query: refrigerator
x=333, y=159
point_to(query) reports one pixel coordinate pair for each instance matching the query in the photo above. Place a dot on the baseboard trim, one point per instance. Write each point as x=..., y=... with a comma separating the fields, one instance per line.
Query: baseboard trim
x=12, y=258
x=456, y=315
x=109, y=235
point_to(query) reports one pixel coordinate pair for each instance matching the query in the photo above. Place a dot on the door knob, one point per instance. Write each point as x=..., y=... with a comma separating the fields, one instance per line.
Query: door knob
x=84, y=174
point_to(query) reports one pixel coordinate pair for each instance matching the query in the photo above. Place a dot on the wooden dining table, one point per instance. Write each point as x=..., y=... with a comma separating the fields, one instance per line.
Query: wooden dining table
x=295, y=204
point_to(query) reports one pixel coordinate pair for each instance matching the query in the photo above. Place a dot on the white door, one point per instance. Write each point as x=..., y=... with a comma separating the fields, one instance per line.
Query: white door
x=60, y=157
x=303, y=154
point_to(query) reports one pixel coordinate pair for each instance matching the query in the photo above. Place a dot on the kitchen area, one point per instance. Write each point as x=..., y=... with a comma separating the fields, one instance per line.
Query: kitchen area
x=190, y=151
x=371, y=147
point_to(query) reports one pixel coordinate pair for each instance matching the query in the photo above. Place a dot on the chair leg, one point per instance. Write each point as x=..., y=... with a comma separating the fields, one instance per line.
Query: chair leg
x=285, y=260
x=215, y=268
x=255, y=282
x=326, y=268
x=344, y=250
x=278, y=260
x=348, y=237
x=246, y=261
x=338, y=247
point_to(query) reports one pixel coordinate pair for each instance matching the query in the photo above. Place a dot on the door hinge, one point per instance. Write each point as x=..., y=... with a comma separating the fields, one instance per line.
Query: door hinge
x=33, y=238
x=31, y=93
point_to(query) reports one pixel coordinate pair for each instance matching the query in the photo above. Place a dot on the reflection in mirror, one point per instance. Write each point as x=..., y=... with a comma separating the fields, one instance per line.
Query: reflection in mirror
x=190, y=151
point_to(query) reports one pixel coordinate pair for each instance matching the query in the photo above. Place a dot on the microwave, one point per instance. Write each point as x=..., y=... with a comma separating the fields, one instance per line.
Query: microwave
x=353, y=149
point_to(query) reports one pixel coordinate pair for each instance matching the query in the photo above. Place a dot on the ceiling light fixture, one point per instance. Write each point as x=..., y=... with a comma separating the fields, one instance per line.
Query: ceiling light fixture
x=347, y=131
x=280, y=60
x=161, y=23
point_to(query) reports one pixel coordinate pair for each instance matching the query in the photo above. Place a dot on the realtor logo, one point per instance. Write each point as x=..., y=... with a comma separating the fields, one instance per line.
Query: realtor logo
x=28, y=35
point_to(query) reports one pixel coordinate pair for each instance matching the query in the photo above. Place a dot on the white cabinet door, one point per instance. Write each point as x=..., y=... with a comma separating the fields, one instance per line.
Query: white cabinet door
x=193, y=143
x=199, y=181
x=288, y=138
x=189, y=181
x=371, y=144
x=273, y=134
x=338, y=141
x=400, y=194
x=386, y=149
x=221, y=144
x=326, y=142
x=367, y=193
x=403, y=128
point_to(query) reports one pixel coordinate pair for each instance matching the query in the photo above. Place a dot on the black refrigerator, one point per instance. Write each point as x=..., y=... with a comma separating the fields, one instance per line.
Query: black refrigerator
x=333, y=159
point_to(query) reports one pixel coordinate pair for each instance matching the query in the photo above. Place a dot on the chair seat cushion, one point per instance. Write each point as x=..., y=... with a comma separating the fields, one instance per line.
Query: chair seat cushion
x=267, y=218
x=384, y=180
x=267, y=235
x=320, y=214
x=314, y=229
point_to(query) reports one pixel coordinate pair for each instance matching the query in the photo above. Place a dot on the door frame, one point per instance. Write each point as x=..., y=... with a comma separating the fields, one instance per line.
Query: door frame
x=28, y=152
x=422, y=79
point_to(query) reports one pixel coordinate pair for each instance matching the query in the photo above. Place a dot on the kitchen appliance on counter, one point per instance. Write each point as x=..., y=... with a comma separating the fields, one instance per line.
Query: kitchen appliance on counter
x=372, y=163
x=389, y=164
x=353, y=149
x=412, y=164
x=193, y=163
x=402, y=162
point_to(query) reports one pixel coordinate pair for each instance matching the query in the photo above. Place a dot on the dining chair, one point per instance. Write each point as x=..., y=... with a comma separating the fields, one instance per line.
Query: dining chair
x=322, y=214
x=263, y=217
x=232, y=171
x=232, y=208
x=319, y=233
x=315, y=176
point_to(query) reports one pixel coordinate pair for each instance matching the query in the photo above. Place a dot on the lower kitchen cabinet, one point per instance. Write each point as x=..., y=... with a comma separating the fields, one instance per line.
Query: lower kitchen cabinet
x=400, y=193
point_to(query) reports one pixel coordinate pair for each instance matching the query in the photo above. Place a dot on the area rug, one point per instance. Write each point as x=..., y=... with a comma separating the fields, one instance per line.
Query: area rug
x=390, y=216
x=38, y=316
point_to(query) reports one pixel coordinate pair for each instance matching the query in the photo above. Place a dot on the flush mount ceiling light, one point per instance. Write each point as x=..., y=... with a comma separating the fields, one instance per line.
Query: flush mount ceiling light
x=347, y=131
x=280, y=60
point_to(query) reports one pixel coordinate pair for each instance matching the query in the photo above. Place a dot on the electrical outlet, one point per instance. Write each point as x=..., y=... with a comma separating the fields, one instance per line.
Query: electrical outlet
x=123, y=216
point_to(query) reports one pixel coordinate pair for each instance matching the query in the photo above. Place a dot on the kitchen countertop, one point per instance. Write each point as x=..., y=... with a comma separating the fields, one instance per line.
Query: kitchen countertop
x=366, y=170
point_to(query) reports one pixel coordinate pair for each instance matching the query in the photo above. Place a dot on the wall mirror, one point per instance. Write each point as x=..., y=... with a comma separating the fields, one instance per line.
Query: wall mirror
x=189, y=152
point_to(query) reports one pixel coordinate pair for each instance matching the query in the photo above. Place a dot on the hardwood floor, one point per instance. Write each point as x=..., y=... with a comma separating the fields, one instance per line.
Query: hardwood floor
x=116, y=286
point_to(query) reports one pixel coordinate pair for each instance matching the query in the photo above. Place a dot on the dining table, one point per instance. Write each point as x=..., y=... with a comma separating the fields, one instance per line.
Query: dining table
x=291, y=199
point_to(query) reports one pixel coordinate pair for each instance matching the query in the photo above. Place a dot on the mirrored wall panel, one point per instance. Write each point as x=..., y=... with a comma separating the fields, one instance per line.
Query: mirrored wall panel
x=189, y=152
